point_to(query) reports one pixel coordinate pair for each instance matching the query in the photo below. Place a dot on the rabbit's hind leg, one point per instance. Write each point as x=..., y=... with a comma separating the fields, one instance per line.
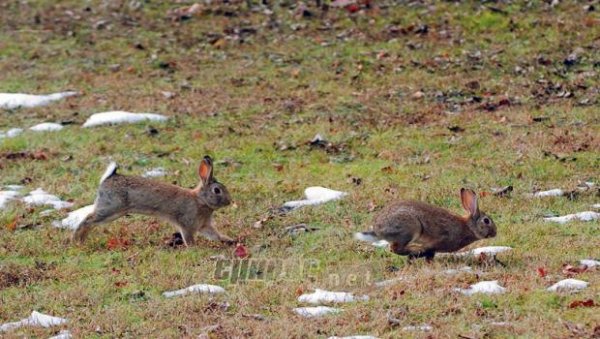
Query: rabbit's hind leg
x=97, y=217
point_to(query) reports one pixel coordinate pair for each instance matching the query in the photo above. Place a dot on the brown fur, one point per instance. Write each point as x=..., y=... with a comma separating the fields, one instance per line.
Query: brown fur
x=190, y=211
x=418, y=229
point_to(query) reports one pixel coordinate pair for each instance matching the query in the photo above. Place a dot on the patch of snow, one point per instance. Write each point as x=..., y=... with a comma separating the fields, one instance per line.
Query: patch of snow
x=365, y=236
x=342, y=3
x=490, y=250
x=458, y=270
x=46, y=213
x=200, y=288
x=589, y=262
x=14, y=187
x=423, y=328
x=389, y=282
x=500, y=323
x=583, y=216
x=64, y=334
x=568, y=285
x=317, y=311
x=476, y=252
x=75, y=218
x=6, y=196
x=381, y=243
x=322, y=296
x=18, y=100
x=46, y=126
x=35, y=319
x=485, y=287
x=40, y=197
x=596, y=206
x=120, y=117
x=155, y=172
x=557, y=192
x=11, y=133
x=315, y=196
x=487, y=250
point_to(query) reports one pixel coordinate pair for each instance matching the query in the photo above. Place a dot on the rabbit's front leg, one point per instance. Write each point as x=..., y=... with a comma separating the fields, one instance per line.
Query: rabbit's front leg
x=210, y=232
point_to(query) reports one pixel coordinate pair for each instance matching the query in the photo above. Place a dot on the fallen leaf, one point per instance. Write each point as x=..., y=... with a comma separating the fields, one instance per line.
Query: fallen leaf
x=388, y=170
x=542, y=272
x=117, y=243
x=240, y=251
x=570, y=270
x=11, y=226
x=120, y=284
x=583, y=303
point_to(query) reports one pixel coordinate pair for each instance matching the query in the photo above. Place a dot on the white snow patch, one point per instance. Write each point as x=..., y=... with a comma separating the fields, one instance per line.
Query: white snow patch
x=423, y=328
x=458, y=270
x=6, y=196
x=322, y=296
x=583, y=216
x=155, y=172
x=14, y=187
x=568, y=285
x=200, y=288
x=596, y=206
x=381, y=243
x=490, y=250
x=35, y=319
x=46, y=126
x=557, y=192
x=389, y=282
x=18, y=100
x=11, y=133
x=365, y=236
x=46, y=213
x=120, y=117
x=500, y=323
x=40, y=197
x=317, y=311
x=64, y=334
x=74, y=219
x=589, y=262
x=487, y=250
x=314, y=196
x=485, y=287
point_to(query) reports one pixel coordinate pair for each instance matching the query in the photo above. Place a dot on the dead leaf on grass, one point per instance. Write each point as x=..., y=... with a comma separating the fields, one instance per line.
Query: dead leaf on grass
x=240, y=251
x=570, y=270
x=583, y=303
x=117, y=243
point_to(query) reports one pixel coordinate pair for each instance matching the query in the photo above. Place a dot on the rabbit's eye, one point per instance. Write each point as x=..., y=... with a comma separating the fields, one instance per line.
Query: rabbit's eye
x=217, y=190
x=486, y=221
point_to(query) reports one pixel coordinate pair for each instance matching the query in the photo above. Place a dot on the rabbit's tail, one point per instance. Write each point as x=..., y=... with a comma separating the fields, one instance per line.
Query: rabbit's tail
x=366, y=236
x=110, y=171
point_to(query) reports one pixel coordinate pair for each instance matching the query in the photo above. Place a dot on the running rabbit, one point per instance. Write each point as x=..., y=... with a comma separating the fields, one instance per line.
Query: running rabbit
x=190, y=210
x=418, y=229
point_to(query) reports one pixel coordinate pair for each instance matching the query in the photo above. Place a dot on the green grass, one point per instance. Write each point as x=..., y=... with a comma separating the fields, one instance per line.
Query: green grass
x=240, y=102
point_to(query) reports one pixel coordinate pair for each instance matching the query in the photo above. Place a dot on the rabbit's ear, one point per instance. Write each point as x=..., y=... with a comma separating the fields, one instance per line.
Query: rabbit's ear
x=469, y=201
x=205, y=170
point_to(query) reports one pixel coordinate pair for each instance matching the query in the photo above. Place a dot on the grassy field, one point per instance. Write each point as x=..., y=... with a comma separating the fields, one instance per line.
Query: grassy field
x=417, y=99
